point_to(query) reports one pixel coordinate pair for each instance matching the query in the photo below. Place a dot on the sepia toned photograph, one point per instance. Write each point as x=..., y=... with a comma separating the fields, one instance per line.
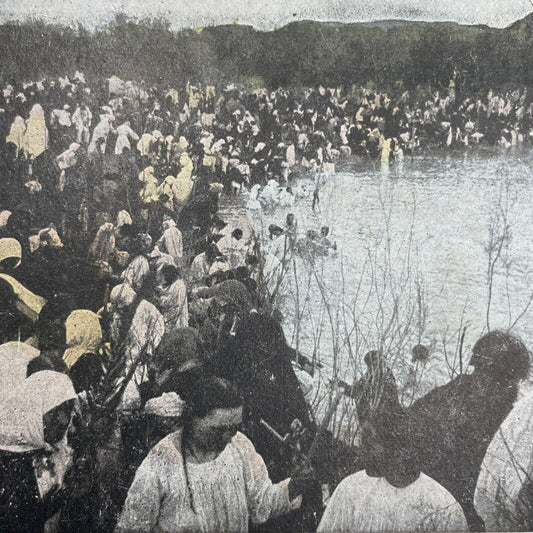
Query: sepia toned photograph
x=266, y=266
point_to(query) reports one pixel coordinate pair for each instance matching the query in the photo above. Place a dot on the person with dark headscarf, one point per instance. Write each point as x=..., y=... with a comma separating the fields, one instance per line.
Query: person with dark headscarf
x=454, y=424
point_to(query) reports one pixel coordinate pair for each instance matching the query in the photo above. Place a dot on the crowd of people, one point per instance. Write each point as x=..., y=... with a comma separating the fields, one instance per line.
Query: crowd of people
x=146, y=385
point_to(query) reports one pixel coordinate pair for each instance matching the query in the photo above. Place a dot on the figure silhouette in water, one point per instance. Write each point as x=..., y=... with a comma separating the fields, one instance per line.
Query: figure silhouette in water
x=316, y=198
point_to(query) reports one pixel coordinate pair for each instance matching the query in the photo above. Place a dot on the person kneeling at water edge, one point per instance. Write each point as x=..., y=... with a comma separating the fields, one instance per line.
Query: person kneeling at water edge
x=207, y=476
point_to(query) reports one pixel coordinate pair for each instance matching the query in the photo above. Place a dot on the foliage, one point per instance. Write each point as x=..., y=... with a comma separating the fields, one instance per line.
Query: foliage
x=299, y=54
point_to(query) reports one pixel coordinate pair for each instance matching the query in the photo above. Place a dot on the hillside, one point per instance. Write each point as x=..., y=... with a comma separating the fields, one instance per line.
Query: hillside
x=387, y=54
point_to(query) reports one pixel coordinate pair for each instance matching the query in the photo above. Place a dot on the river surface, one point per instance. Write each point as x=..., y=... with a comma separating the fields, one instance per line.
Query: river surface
x=415, y=243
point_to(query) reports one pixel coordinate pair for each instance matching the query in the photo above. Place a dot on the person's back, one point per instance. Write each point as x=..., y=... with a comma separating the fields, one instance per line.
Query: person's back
x=455, y=423
x=392, y=494
x=364, y=503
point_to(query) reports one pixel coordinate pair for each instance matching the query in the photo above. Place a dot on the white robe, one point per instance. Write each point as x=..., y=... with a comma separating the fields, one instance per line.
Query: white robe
x=136, y=272
x=171, y=242
x=124, y=133
x=234, y=249
x=143, y=337
x=362, y=503
x=507, y=466
x=172, y=303
x=101, y=131
x=226, y=493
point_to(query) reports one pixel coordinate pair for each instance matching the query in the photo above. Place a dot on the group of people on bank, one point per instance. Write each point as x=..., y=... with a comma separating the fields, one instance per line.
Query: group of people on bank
x=140, y=362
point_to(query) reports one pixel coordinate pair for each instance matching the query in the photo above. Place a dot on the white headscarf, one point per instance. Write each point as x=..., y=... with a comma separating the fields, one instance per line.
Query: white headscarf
x=14, y=359
x=84, y=335
x=10, y=248
x=17, y=122
x=22, y=409
x=124, y=219
x=37, y=110
x=4, y=217
x=122, y=295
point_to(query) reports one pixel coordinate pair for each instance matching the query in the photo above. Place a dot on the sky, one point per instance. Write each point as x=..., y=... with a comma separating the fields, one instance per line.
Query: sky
x=267, y=15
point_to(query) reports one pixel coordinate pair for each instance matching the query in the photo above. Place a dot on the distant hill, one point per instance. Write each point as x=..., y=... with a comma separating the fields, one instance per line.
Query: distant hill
x=527, y=21
x=389, y=54
x=394, y=23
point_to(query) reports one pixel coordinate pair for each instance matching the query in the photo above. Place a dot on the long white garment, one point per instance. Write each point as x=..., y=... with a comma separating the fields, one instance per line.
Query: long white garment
x=363, y=503
x=172, y=302
x=171, y=242
x=101, y=131
x=507, y=466
x=226, y=493
x=143, y=337
x=136, y=272
x=147, y=329
x=124, y=133
x=234, y=249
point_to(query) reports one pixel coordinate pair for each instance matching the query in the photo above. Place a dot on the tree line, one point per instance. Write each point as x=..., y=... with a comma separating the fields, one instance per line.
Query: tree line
x=398, y=56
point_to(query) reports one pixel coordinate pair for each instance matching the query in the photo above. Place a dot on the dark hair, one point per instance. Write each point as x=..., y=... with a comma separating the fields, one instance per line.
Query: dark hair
x=218, y=277
x=53, y=337
x=505, y=354
x=420, y=353
x=46, y=361
x=7, y=294
x=212, y=252
x=241, y=273
x=209, y=393
x=180, y=345
x=51, y=330
x=391, y=434
x=251, y=285
x=374, y=358
x=169, y=273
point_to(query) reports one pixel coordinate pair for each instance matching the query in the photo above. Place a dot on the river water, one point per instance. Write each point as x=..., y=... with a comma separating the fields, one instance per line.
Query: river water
x=415, y=245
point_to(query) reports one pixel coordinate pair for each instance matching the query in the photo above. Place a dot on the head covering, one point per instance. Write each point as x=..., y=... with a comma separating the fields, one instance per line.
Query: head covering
x=145, y=240
x=146, y=174
x=4, y=217
x=122, y=295
x=22, y=409
x=28, y=303
x=124, y=219
x=14, y=359
x=183, y=143
x=103, y=246
x=167, y=224
x=10, y=248
x=18, y=121
x=83, y=333
x=51, y=236
x=37, y=110
x=168, y=405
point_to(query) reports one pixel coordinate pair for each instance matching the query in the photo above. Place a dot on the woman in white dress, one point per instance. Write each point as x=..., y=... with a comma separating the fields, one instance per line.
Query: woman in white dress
x=207, y=476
